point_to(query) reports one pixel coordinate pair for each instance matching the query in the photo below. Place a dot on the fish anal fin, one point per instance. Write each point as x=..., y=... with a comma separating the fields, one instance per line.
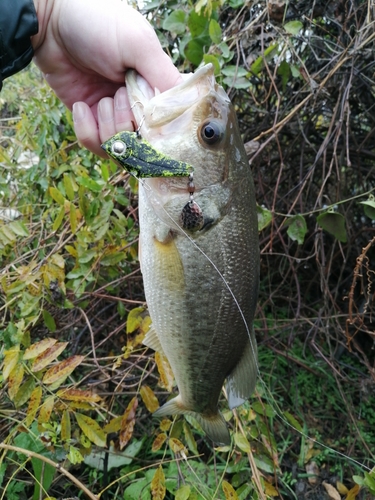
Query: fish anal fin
x=214, y=425
x=152, y=340
x=241, y=382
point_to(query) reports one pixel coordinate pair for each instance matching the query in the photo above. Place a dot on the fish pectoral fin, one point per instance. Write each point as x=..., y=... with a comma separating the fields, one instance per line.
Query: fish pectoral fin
x=241, y=382
x=214, y=425
x=152, y=340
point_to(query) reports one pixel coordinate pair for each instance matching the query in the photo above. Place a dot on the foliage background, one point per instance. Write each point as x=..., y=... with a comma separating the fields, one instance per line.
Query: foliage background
x=77, y=387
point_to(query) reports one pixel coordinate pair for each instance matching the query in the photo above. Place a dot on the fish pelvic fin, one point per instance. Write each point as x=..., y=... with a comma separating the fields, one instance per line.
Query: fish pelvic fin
x=214, y=425
x=152, y=340
x=241, y=382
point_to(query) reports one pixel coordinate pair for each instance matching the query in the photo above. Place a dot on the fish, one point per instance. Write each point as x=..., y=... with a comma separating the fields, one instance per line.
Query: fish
x=199, y=248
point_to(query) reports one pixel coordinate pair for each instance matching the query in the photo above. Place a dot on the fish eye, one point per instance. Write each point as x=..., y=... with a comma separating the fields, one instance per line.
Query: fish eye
x=211, y=132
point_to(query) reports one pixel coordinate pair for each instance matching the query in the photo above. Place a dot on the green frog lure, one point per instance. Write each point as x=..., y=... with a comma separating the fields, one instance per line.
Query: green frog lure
x=140, y=159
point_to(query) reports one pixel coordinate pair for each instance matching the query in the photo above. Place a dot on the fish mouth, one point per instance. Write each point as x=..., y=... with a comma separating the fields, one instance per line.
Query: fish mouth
x=152, y=109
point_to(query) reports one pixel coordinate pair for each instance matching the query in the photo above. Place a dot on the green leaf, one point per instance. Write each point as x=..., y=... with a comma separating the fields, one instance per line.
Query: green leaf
x=293, y=27
x=214, y=31
x=264, y=217
x=293, y=421
x=242, y=443
x=284, y=71
x=369, y=207
x=49, y=321
x=18, y=228
x=258, y=64
x=194, y=51
x=176, y=22
x=209, y=58
x=183, y=492
x=56, y=195
x=68, y=185
x=95, y=186
x=197, y=24
x=333, y=223
x=57, y=222
x=297, y=228
x=263, y=409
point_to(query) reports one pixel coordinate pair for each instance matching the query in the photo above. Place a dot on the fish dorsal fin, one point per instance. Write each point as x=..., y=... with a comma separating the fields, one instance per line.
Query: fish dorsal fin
x=241, y=382
x=214, y=426
x=152, y=340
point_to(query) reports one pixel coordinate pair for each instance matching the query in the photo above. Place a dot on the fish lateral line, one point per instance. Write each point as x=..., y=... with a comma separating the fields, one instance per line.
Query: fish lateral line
x=140, y=159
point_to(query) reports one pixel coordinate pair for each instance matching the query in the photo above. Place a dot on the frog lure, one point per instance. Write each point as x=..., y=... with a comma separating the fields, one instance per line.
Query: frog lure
x=142, y=160
x=139, y=158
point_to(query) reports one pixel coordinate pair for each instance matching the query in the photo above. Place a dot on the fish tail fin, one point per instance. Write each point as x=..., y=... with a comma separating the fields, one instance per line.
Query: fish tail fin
x=214, y=425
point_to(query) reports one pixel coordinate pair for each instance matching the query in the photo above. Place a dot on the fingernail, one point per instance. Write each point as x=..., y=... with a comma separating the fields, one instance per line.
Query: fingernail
x=121, y=99
x=79, y=112
x=105, y=110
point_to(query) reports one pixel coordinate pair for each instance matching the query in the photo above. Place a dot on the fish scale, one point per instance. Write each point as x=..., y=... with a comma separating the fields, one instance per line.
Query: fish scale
x=201, y=286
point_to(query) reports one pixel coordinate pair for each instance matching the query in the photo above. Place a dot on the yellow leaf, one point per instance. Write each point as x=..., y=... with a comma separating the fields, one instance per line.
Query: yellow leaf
x=113, y=425
x=229, y=491
x=341, y=488
x=176, y=446
x=165, y=424
x=34, y=403
x=24, y=392
x=353, y=492
x=15, y=380
x=183, y=493
x=38, y=348
x=47, y=356
x=158, y=489
x=65, y=426
x=332, y=492
x=270, y=490
x=73, y=218
x=79, y=395
x=159, y=441
x=91, y=429
x=62, y=369
x=242, y=443
x=127, y=423
x=134, y=319
x=165, y=371
x=45, y=411
x=149, y=398
x=56, y=195
x=11, y=357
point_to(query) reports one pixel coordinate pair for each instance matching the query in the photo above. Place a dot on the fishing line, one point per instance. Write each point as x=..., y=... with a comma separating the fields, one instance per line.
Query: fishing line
x=278, y=410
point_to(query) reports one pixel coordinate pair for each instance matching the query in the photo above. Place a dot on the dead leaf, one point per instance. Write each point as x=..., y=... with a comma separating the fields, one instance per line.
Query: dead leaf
x=11, y=357
x=38, y=348
x=270, y=490
x=165, y=371
x=159, y=441
x=91, y=429
x=165, y=424
x=229, y=491
x=176, y=446
x=62, y=369
x=79, y=395
x=341, y=488
x=149, y=398
x=34, y=404
x=46, y=410
x=353, y=492
x=158, y=489
x=48, y=356
x=65, y=427
x=127, y=423
x=332, y=492
x=113, y=425
x=15, y=380
x=313, y=469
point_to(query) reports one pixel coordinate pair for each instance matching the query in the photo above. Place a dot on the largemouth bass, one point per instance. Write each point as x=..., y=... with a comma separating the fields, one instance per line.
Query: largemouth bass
x=199, y=250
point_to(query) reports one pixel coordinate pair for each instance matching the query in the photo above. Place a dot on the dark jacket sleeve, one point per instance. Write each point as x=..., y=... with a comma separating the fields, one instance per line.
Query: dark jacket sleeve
x=18, y=22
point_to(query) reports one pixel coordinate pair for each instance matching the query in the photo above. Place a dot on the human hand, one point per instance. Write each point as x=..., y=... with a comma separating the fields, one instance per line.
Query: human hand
x=84, y=49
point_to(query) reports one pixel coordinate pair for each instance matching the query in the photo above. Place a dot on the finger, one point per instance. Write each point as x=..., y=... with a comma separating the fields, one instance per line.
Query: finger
x=124, y=117
x=106, y=118
x=86, y=128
